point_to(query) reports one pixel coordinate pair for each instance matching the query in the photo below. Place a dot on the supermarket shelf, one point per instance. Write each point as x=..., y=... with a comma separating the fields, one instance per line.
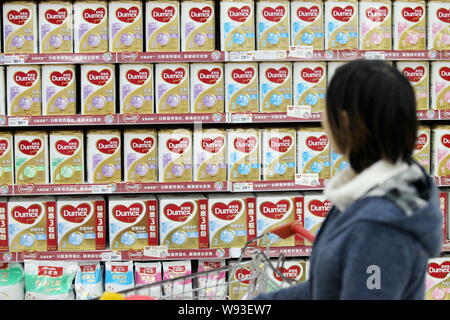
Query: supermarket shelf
x=274, y=252
x=113, y=188
x=304, y=54
x=284, y=185
x=442, y=181
x=111, y=57
x=111, y=119
x=108, y=255
x=181, y=118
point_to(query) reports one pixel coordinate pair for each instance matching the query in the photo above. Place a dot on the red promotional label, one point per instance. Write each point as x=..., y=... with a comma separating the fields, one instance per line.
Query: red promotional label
x=343, y=14
x=445, y=73
x=88, y=268
x=312, y=76
x=99, y=78
x=377, y=14
x=243, y=76
x=274, y=14
x=4, y=144
x=19, y=17
x=100, y=214
x=446, y=140
x=317, y=144
x=138, y=77
x=319, y=208
x=127, y=15
x=227, y=211
x=147, y=270
x=50, y=271
x=153, y=223
x=308, y=14
x=30, y=148
x=179, y=213
x=213, y=145
x=26, y=79
x=56, y=17
x=413, y=14
x=443, y=15
x=142, y=146
x=177, y=146
x=128, y=214
x=245, y=145
x=163, y=15
x=280, y=145
x=67, y=148
x=239, y=14
x=108, y=146
x=27, y=215
x=275, y=210
x=200, y=15
x=94, y=16
x=293, y=272
x=243, y=275
x=251, y=217
x=61, y=79
x=176, y=269
x=173, y=76
x=421, y=141
x=119, y=269
x=277, y=76
x=75, y=214
x=414, y=75
x=209, y=76
x=439, y=271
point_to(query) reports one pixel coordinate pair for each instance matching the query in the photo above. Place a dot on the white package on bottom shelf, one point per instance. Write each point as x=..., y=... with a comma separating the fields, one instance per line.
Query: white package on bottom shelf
x=177, y=290
x=89, y=281
x=146, y=273
x=49, y=280
x=437, y=279
x=119, y=276
x=11, y=281
x=212, y=286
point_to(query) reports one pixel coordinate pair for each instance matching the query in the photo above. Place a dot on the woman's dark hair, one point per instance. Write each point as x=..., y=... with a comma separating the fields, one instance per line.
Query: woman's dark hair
x=381, y=108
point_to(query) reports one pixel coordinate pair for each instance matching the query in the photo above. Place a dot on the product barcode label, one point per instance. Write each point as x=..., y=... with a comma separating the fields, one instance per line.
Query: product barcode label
x=243, y=187
x=111, y=256
x=102, y=189
x=302, y=52
x=307, y=179
x=156, y=251
x=18, y=121
x=270, y=54
x=241, y=118
x=303, y=112
x=14, y=59
x=239, y=56
x=375, y=55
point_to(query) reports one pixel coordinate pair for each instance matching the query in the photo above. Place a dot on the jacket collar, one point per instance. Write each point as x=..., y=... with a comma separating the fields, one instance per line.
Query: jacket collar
x=347, y=186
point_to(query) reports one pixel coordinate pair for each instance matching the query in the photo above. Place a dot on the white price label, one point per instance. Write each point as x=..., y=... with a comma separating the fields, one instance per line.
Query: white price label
x=241, y=118
x=243, y=187
x=270, y=54
x=307, y=179
x=13, y=59
x=241, y=56
x=375, y=55
x=111, y=256
x=156, y=251
x=303, y=112
x=102, y=188
x=302, y=52
x=18, y=121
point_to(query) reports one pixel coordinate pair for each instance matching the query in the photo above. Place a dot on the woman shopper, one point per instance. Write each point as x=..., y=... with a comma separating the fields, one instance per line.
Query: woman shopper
x=385, y=221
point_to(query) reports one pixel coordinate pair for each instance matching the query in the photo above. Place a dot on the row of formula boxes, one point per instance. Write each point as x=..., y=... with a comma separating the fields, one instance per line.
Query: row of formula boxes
x=89, y=280
x=133, y=222
x=118, y=26
x=180, y=88
x=184, y=155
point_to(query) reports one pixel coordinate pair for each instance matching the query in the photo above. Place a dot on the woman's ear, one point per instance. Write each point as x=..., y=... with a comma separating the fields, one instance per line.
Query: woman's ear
x=345, y=120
